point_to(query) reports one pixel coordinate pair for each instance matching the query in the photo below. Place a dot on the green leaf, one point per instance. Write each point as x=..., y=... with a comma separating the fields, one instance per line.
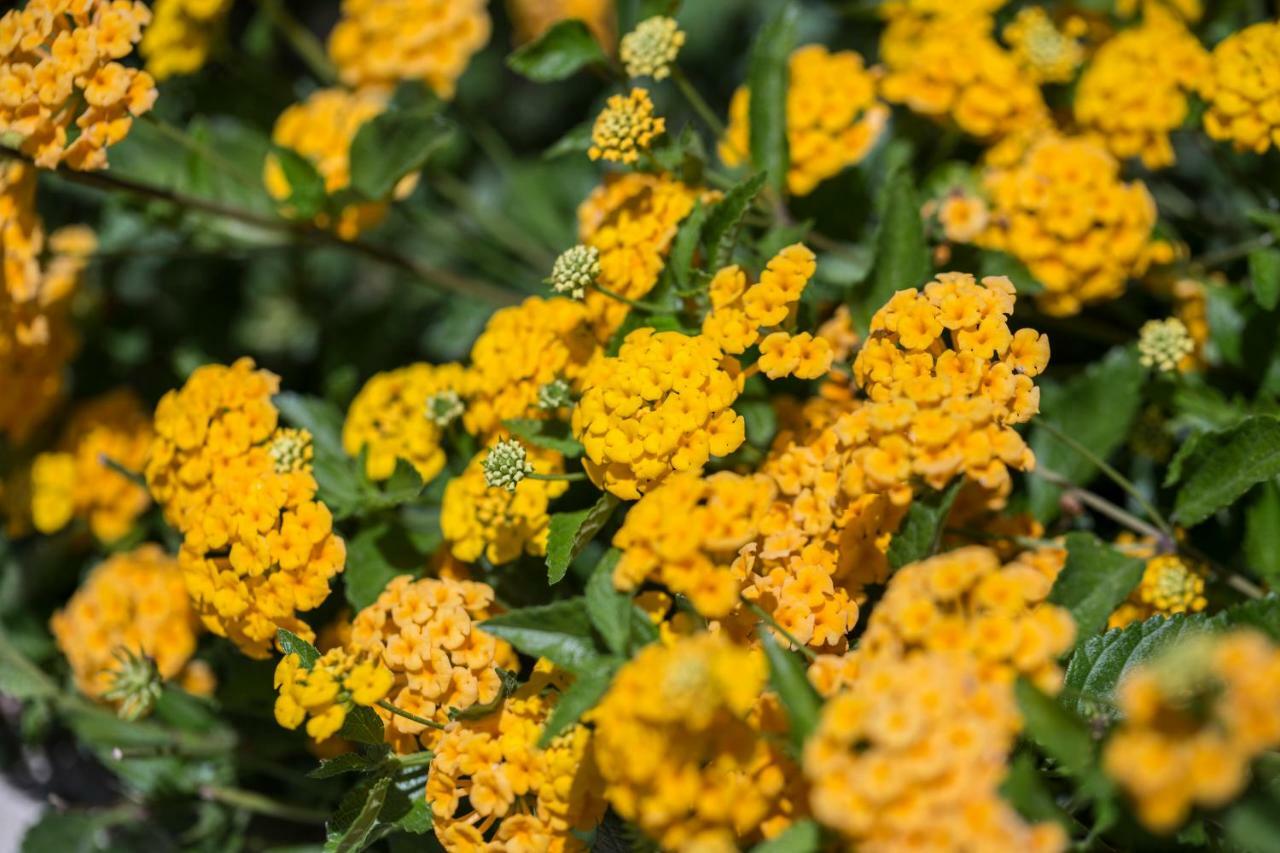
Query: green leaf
x=761, y=420
x=789, y=680
x=392, y=145
x=1262, y=533
x=291, y=644
x=571, y=531
x=558, y=53
x=1094, y=581
x=319, y=417
x=553, y=435
x=609, y=609
x=1253, y=824
x=1234, y=460
x=357, y=816
x=560, y=632
x=581, y=696
x=1186, y=456
x=1097, y=409
x=306, y=188
x=1000, y=263
x=576, y=141
x=803, y=836
x=348, y=762
x=1264, y=271
x=368, y=572
x=342, y=485
x=1062, y=735
x=1262, y=614
x=767, y=79
x=68, y=832
x=363, y=725
x=725, y=218
x=19, y=677
x=921, y=530
x=685, y=245
x=1024, y=787
x=902, y=256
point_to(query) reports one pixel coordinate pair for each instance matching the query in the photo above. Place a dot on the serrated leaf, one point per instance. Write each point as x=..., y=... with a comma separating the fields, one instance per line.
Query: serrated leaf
x=569, y=533
x=787, y=676
x=803, y=836
x=580, y=696
x=921, y=530
x=685, y=245
x=363, y=725
x=291, y=644
x=1094, y=581
x=306, y=188
x=1262, y=533
x=902, y=256
x=767, y=79
x=1097, y=409
x=1233, y=461
x=558, y=53
x=357, y=818
x=392, y=145
x=724, y=219
x=553, y=435
x=610, y=610
x=561, y=632
x=1264, y=271
x=1262, y=614
x=348, y=762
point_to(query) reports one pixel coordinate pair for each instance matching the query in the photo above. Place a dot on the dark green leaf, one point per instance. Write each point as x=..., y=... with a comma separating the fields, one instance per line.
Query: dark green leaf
x=902, y=256
x=921, y=530
x=368, y=571
x=553, y=435
x=1262, y=614
x=725, y=218
x=803, y=836
x=685, y=246
x=560, y=632
x=306, y=187
x=581, y=696
x=1253, y=824
x=571, y=531
x=1062, y=735
x=1097, y=409
x=291, y=644
x=1264, y=270
x=19, y=677
x=1262, y=533
x=355, y=835
x=348, y=762
x=319, y=417
x=767, y=78
x=999, y=263
x=392, y=145
x=1024, y=788
x=1234, y=461
x=363, y=725
x=789, y=680
x=576, y=141
x=1186, y=456
x=761, y=420
x=67, y=832
x=609, y=609
x=558, y=53
x=1094, y=581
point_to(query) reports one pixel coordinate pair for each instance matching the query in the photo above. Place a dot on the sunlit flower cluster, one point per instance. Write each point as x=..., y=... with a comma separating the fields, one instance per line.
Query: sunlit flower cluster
x=257, y=547
x=425, y=632
x=664, y=404
x=1192, y=723
x=1062, y=209
x=389, y=420
x=1049, y=53
x=1170, y=584
x=77, y=480
x=1164, y=344
x=1242, y=89
x=181, y=35
x=517, y=794
x=385, y=41
x=1135, y=89
x=625, y=128
x=680, y=745
x=136, y=602
x=650, y=49
x=325, y=692
x=833, y=117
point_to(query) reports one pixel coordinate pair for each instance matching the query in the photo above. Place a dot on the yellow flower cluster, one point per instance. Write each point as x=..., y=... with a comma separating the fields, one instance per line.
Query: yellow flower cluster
x=532, y=18
x=521, y=796
x=133, y=601
x=680, y=746
x=179, y=39
x=36, y=335
x=74, y=481
x=664, y=404
x=1193, y=721
x=257, y=546
x=686, y=535
x=1049, y=53
x=833, y=117
x=652, y=47
x=522, y=349
x=327, y=690
x=631, y=220
x=947, y=380
x=952, y=69
x=1062, y=210
x=385, y=41
x=625, y=128
x=1189, y=10
x=59, y=66
x=424, y=632
x=1170, y=584
x=478, y=520
x=389, y=419
x=321, y=129
x=1134, y=91
x=1242, y=89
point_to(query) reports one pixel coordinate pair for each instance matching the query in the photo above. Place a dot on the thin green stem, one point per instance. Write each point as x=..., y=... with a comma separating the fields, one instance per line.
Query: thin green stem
x=1101, y=505
x=414, y=759
x=401, y=712
x=773, y=623
x=1116, y=477
x=575, y=477
x=198, y=148
x=301, y=39
x=251, y=801
x=634, y=303
x=699, y=104
x=1217, y=258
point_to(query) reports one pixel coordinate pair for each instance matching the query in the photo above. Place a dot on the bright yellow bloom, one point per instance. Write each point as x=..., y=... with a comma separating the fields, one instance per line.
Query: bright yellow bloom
x=1051, y=54
x=74, y=481
x=425, y=632
x=662, y=405
x=740, y=312
x=833, y=117
x=382, y=42
x=681, y=745
x=134, y=601
x=1134, y=91
x=1062, y=209
x=59, y=65
x=1192, y=723
x=1189, y=10
x=328, y=690
x=1242, y=89
x=1170, y=584
x=179, y=39
x=389, y=419
x=625, y=128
